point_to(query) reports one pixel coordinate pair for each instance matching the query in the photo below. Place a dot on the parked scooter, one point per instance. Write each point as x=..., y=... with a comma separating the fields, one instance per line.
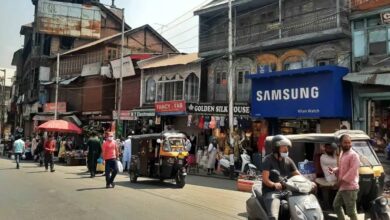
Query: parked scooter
x=380, y=209
x=228, y=169
x=297, y=203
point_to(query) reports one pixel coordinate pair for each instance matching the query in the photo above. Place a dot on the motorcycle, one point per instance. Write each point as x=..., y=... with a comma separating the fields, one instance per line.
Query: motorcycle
x=228, y=169
x=297, y=202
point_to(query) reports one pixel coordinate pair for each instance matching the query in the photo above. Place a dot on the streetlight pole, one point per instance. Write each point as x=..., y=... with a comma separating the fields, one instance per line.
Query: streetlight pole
x=57, y=80
x=121, y=72
x=2, y=103
x=230, y=81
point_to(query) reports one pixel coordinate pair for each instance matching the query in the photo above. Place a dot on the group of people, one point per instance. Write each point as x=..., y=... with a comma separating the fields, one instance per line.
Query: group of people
x=109, y=151
x=42, y=149
x=345, y=175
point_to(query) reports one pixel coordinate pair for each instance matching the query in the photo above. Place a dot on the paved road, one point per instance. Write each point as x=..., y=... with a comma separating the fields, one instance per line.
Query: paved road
x=69, y=193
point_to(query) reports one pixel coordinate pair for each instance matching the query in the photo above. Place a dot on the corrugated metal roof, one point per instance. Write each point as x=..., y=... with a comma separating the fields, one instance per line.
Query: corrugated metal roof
x=372, y=76
x=169, y=60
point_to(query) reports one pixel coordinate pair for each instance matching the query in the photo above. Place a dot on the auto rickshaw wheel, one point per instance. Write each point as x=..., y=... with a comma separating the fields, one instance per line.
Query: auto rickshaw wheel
x=133, y=177
x=180, y=180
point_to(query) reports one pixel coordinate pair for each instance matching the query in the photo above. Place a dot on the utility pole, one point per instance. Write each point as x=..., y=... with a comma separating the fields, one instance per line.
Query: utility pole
x=57, y=80
x=121, y=72
x=2, y=103
x=230, y=81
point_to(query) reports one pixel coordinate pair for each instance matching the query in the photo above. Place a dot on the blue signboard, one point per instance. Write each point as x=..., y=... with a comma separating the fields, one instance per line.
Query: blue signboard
x=304, y=93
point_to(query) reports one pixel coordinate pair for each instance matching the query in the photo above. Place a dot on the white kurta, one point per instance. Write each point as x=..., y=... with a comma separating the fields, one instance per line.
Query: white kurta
x=212, y=156
x=127, y=153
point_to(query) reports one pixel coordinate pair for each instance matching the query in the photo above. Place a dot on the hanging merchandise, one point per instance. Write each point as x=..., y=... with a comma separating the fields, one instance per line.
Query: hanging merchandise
x=212, y=124
x=222, y=121
x=158, y=120
x=195, y=120
x=189, y=120
x=201, y=122
x=207, y=120
x=218, y=121
x=235, y=121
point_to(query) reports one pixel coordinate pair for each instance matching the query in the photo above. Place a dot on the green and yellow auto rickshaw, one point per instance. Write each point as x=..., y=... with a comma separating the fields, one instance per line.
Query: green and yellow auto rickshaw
x=160, y=156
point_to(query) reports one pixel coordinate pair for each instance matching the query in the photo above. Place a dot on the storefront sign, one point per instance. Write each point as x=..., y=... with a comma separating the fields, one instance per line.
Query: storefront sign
x=170, y=108
x=214, y=109
x=385, y=18
x=51, y=107
x=309, y=92
x=126, y=115
x=144, y=112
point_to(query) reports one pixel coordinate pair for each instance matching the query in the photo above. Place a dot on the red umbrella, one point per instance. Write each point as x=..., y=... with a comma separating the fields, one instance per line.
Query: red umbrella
x=60, y=126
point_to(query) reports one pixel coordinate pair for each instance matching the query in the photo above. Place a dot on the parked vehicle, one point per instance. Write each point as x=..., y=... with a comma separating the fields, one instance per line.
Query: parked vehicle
x=245, y=165
x=297, y=202
x=161, y=156
x=371, y=181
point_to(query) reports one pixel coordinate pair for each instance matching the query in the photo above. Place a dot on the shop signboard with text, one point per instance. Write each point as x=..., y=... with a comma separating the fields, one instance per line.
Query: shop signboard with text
x=305, y=93
x=126, y=115
x=51, y=107
x=170, y=108
x=217, y=109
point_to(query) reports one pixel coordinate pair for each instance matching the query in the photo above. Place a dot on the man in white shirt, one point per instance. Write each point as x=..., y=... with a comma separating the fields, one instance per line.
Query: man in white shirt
x=329, y=160
x=127, y=154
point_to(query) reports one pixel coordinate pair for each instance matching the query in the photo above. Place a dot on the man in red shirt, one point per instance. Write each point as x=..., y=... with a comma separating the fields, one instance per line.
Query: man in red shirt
x=49, y=152
x=110, y=154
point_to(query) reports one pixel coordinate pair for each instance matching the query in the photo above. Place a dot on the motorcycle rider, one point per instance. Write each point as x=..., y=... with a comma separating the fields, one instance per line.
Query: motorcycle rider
x=279, y=161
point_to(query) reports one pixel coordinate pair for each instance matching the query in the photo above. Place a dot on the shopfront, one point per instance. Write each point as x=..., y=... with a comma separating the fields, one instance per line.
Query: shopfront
x=302, y=101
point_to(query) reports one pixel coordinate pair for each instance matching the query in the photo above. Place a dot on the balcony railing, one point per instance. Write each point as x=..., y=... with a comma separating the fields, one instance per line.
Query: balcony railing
x=313, y=22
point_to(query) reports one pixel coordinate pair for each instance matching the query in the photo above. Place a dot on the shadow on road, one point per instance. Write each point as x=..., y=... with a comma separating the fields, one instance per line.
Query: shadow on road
x=13, y=168
x=43, y=171
x=147, y=184
x=88, y=189
x=244, y=214
x=77, y=178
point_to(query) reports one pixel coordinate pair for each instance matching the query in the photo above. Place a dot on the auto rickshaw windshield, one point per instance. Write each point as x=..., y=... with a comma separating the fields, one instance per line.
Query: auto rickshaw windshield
x=173, y=144
x=366, y=154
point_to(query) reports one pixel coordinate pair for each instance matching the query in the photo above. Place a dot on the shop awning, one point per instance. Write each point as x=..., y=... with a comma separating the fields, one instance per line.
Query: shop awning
x=46, y=83
x=372, y=76
x=69, y=81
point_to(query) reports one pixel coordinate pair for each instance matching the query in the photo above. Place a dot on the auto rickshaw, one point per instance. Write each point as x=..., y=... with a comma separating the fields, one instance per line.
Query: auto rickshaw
x=371, y=172
x=160, y=155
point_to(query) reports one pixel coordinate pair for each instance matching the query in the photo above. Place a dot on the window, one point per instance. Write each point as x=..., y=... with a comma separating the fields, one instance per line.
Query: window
x=66, y=43
x=377, y=42
x=359, y=44
x=221, y=89
x=374, y=21
x=170, y=89
x=150, y=90
x=358, y=24
x=243, y=85
x=192, y=88
x=265, y=68
x=325, y=62
x=112, y=53
x=293, y=65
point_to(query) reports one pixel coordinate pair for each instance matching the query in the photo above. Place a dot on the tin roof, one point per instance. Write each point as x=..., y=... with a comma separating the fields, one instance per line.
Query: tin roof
x=169, y=60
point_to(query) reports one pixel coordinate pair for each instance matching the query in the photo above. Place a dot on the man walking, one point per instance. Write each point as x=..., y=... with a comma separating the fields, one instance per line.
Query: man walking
x=127, y=154
x=348, y=180
x=94, y=151
x=19, y=148
x=49, y=148
x=110, y=155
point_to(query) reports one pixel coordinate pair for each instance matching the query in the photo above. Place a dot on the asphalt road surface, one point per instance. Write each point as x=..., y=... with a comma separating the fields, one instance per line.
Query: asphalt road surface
x=69, y=193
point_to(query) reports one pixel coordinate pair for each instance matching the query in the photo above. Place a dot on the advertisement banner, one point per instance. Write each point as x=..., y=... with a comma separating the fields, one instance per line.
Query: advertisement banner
x=303, y=93
x=217, y=109
x=51, y=107
x=170, y=108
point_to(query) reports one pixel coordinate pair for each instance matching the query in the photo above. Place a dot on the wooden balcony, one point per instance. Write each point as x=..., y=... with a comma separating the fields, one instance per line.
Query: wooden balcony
x=322, y=24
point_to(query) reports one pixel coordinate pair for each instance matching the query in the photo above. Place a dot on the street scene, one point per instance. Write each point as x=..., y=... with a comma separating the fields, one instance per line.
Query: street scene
x=196, y=109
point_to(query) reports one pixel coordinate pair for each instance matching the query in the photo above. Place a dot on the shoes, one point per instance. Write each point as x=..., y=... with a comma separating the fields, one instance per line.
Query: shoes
x=112, y=185
x=52, y=171
x=107, y=186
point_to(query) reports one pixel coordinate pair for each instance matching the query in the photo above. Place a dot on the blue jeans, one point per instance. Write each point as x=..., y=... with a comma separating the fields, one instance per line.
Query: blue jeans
x=111, y=167
x=17, y=159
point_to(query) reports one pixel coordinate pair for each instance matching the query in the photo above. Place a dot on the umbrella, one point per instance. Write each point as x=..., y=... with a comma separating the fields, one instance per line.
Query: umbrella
x=60, y=126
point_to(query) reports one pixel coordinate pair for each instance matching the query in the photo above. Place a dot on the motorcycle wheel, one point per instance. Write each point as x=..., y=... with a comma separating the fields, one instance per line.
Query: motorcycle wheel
x=133, y=177
x=180, y=180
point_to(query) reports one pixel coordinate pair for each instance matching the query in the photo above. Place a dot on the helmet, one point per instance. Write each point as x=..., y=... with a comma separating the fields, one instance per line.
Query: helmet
x=279, y=140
